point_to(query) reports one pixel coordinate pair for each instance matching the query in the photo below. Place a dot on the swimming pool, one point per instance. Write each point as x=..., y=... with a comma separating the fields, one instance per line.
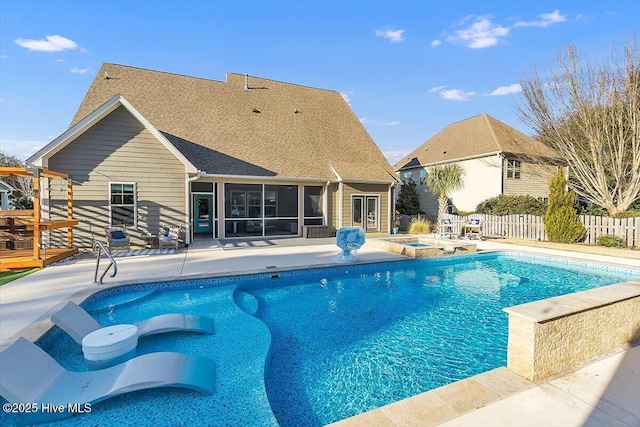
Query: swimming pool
x=336, y=341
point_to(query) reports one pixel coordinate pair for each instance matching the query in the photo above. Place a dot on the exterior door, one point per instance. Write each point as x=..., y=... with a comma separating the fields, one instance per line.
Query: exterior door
x=372, y=214
x=357, y=203
x=203, y=207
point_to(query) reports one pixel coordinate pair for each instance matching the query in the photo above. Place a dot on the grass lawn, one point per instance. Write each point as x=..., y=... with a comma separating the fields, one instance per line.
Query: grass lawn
x=8, y=276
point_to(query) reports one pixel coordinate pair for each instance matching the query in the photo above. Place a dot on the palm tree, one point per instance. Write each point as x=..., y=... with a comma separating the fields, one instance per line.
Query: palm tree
x=442, y=180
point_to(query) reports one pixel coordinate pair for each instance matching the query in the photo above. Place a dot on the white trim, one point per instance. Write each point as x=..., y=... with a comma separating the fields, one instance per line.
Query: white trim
x=42, y=155
x=262, y=179
x=458, y=159
x=365, y=207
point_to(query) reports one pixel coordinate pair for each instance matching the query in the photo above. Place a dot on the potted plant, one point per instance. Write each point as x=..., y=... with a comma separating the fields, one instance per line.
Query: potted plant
x=395, y=222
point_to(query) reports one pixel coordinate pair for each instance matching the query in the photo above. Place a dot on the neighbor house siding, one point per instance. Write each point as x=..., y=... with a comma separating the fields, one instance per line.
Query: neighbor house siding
x=381, y=190
x=119, y=149
x=534, y=180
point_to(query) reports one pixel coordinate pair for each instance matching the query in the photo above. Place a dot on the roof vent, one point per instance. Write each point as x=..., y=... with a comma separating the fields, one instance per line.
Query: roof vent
x=296, y=111
x=255, y=110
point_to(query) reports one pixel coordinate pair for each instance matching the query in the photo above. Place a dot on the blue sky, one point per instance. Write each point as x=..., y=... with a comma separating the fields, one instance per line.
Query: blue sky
x=407, y=69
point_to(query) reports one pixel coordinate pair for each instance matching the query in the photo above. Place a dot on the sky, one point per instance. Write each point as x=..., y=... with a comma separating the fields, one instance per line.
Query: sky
x=406, y=68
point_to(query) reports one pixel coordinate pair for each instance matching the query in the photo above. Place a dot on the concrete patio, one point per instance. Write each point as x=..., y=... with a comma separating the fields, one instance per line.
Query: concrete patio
x=603, y=393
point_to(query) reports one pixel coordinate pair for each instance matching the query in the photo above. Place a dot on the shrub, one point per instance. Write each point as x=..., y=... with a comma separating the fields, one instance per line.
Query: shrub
x=465, y=213
x=419, y=226
x=611, y=241
x=512, y=205
x=561, y=220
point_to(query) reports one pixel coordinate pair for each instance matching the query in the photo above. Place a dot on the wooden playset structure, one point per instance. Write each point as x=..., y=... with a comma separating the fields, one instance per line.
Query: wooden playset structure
x=21, y=230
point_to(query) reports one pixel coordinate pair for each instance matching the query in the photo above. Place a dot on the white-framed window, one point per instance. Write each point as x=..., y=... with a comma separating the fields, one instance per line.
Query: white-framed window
x=513, y=169
x=123, y=204
x=407, y=175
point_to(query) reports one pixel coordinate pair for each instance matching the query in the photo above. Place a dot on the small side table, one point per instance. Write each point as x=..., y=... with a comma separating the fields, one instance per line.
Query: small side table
x=107, y=346
x=149, y=239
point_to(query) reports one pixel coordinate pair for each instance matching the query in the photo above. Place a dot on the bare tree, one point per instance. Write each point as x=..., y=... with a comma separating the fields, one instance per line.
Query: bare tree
x=588, y=110
x=23, y=198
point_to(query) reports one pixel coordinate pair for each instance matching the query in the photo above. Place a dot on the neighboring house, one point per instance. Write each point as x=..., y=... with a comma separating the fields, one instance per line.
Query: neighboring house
x=245, y=157
x=496, y=158
x=5, y=191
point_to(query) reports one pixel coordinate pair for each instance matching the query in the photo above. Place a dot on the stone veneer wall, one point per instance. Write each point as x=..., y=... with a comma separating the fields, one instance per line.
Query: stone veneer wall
x=560, y=334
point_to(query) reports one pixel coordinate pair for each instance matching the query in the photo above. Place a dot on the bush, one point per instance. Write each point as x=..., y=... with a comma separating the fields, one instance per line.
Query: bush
x=512, y=205
x=611, y=241
x=465, y=213
x=419, y=226
x=561, y=220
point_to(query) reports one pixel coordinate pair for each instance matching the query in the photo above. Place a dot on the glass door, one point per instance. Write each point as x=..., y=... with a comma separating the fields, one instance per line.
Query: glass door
x=357, y=203
x=372, y=214
x=203, y=206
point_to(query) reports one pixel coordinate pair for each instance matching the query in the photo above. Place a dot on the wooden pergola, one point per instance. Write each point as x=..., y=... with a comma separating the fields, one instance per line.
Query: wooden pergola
x=17, y=258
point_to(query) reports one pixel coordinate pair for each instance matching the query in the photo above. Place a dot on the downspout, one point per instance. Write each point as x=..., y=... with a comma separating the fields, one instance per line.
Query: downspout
x=391, y=207
x=189, y=230
x=340, y=197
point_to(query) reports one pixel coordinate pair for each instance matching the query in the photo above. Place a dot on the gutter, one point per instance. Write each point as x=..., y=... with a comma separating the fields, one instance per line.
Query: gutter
x=458, y=159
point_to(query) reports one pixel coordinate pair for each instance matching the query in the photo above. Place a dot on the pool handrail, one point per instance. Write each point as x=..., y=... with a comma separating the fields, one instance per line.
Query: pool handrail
x=103, y=248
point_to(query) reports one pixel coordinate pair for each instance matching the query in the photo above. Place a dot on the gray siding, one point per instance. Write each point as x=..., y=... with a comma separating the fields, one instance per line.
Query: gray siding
x=119, y=149
x=534, y=180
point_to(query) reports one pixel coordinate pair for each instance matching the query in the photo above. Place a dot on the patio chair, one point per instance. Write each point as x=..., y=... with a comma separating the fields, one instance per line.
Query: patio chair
x=117, y=237
x=447, y=229
x=349, y=240
x=76, y=322
x=169, y=237
x=473, y=229
x=29, y=375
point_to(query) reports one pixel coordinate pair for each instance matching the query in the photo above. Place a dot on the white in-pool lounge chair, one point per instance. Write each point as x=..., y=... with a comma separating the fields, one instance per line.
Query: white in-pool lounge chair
x=29, y=375
x=76, y=322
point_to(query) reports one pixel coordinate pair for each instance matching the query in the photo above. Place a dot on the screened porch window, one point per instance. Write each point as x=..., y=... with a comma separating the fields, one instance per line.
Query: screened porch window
x=122, y=204
x=313, y=200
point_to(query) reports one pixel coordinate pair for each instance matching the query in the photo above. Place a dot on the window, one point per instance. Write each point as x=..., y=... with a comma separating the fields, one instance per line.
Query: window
x=313, y=205
x=407, y=175
x=513, y=169
x=122, y=203
x=423, y=174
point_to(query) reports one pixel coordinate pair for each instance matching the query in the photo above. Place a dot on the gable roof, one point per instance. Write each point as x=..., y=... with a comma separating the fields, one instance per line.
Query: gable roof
x=105, y=109
x=270, y=129
x=477, y=136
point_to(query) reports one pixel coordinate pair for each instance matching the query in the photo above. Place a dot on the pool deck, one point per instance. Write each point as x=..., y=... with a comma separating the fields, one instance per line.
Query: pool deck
x=603, y=393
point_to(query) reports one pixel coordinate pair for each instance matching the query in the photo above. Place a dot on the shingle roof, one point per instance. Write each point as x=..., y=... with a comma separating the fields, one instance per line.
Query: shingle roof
x=476, y=136
x=272, y=129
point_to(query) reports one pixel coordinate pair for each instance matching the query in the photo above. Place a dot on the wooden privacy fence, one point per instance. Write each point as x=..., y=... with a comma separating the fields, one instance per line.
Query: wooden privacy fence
x=531, y=227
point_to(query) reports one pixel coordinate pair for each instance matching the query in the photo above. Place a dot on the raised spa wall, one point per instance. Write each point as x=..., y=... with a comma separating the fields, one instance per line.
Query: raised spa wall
x=557, y=335
x=435, y=248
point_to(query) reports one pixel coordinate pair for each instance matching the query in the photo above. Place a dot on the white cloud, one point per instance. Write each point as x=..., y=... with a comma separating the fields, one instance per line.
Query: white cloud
x=378, y=122
x=347, y=96
x=76, y=70
x=53, y=43
x=3, y=56
x=456, y=95
x=21, y=148
x=545, y=20
x=452, y=94
x=394, y=156
x=436, y=42
x=394, y=36
x=480, y=34
x=507, y=90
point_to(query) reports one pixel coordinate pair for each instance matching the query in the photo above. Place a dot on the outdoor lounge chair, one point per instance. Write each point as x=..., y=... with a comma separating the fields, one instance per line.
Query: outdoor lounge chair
x=76, y=322
x=447, y=229
x=169, y=237
x=29, y=375
x=117, y=237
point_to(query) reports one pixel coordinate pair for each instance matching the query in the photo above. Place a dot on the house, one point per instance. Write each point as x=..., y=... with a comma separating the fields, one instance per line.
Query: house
x=5, y=191
x=245, y=157
x=497, y=159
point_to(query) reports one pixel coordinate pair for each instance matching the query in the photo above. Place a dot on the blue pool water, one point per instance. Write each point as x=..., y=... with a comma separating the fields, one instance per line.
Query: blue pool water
x=311, y=347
